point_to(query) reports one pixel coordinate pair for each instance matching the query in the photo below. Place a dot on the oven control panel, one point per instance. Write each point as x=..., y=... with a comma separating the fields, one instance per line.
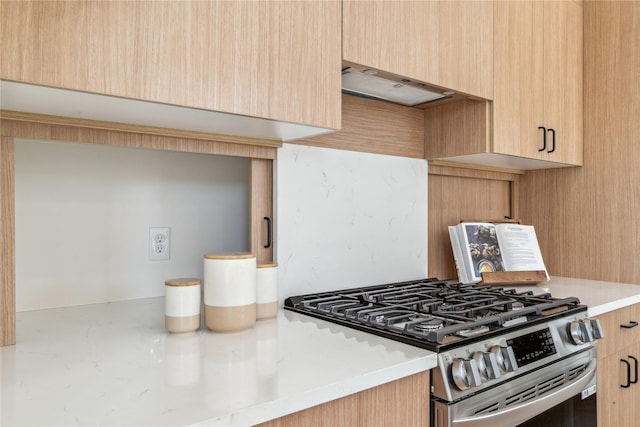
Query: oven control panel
x=487, y=362
x=533, y=346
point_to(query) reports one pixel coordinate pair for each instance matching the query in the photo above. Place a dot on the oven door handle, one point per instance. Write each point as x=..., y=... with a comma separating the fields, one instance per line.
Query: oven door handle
x=520, y=413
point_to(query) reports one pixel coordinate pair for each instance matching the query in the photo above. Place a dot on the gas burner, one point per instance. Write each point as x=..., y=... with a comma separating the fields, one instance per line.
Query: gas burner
x=386, y=316
x=473, y=332
x=517, y=306
x=428, y=325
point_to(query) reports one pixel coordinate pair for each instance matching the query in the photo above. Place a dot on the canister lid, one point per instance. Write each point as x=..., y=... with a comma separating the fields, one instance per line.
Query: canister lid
x=182, y=282
x=230, y=255
x=267, y=265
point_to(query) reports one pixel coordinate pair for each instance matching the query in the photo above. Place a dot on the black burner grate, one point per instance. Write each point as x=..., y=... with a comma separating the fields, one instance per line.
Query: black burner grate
x=431, y=313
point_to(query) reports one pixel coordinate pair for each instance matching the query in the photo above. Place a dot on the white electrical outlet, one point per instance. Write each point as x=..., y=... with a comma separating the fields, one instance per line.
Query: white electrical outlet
x=159, y=243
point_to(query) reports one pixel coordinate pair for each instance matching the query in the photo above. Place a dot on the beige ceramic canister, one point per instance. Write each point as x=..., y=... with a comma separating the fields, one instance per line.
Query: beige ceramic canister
x=267, y=291
x=182, y=304
x=229, y=291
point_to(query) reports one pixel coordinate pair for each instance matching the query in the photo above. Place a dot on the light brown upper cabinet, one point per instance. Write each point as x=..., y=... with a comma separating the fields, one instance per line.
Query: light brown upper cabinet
x=278, y=60
x=538, y=80
x=535, y=119
x=443, y=43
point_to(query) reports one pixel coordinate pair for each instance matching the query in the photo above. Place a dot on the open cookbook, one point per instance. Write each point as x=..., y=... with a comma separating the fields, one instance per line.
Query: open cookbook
x=485, y=247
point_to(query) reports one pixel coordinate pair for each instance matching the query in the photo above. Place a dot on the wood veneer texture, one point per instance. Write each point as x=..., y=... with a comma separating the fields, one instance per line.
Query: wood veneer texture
x=238, y=57
x=7, y=244
x=261, y=206
x=457, y=194
x=398, y=403
x=586, y=218
x=376, y=127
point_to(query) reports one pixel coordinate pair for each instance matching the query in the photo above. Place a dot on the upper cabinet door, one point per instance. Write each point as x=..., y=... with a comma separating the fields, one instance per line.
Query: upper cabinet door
x=277, y=60
x=518, y=105
x=535, y=118
x=563, y=83
x=447, y=44
x=538, y=80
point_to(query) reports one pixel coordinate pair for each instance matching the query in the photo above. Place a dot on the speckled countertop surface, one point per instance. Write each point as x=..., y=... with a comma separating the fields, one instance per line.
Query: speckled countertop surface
x=114, y=364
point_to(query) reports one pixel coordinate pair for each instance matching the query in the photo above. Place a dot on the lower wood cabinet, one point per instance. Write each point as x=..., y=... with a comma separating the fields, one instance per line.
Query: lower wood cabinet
x=404, y=402
x=618, y=368
x=618, y=388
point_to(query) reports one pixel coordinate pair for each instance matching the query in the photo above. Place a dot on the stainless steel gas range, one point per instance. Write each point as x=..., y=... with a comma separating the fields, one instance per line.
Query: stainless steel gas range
x=505, y=358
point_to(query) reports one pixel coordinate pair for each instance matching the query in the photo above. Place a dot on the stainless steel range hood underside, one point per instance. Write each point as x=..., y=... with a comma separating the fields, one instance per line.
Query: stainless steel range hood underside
x=371, y=83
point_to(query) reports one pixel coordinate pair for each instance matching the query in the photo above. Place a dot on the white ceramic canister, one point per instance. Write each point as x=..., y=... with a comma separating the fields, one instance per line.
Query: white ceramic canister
x=182, y=304
x=267, y=291
x=229, y=291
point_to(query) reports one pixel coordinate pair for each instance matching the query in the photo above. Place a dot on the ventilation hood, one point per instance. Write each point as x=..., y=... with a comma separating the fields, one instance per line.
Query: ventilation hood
x=376, y=84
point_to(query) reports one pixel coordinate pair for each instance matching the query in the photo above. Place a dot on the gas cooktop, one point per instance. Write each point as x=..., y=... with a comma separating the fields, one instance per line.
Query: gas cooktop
x=431, y=313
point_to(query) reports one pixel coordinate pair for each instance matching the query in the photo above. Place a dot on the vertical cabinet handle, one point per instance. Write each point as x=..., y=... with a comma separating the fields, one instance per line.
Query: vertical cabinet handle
x=635, y=370
x=628, y=384
x=268, y=245
x=553, y=140
x=544, y=138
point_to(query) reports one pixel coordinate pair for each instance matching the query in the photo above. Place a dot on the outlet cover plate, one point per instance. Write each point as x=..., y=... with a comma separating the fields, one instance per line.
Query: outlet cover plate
x=159, y=243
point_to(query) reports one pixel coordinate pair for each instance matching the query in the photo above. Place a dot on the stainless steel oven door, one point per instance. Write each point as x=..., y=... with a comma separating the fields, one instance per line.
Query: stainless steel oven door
x=561, y=394
x=575, y=412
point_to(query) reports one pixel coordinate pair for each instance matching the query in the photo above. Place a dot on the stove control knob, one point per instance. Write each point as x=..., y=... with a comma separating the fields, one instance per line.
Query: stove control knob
x=595, y=327
x=465, y=374
x=487, y=365
x=575, y=332
x=505, y=358
x=579, y=332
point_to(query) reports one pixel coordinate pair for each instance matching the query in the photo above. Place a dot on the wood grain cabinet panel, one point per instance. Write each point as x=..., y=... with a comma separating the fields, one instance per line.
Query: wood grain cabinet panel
x=276, y=60
x=404, y=402
x=537, y=108
x=518, y=106
x=447, y=44
x=563, y=83
x=618, y=358
x=7, y=243
x=567, y=205
x=479, y=195
x=619, y=330
x=617, y=404
x=261, y=211
x=538, y=80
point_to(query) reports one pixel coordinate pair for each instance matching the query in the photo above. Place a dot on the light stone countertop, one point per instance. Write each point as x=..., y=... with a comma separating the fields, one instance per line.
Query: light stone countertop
x=114, y=364
x=600, y=297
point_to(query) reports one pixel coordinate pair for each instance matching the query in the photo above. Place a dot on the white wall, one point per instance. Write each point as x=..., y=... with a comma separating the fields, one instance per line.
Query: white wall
x=347, y=219
x=83, y=214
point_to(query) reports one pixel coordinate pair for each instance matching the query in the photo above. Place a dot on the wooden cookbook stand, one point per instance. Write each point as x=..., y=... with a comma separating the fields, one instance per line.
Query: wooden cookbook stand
x=501, y=278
